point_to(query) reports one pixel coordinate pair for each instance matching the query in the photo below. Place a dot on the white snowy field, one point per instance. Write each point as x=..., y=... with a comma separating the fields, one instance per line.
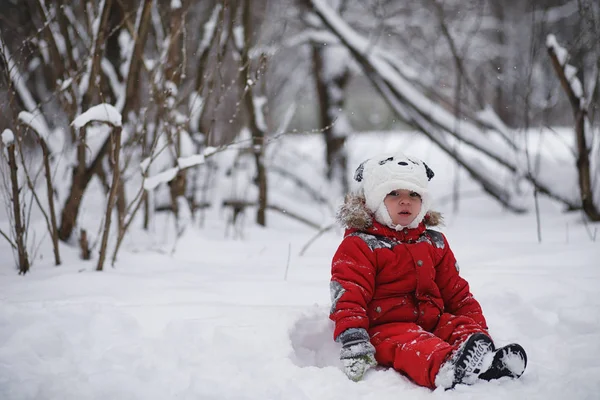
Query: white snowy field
x=247, y=319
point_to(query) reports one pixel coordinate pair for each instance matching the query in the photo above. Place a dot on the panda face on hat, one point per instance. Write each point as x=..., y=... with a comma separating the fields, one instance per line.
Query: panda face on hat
x=385, y=173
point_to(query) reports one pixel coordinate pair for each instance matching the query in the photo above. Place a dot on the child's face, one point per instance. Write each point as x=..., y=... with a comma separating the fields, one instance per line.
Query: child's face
x=403, y=206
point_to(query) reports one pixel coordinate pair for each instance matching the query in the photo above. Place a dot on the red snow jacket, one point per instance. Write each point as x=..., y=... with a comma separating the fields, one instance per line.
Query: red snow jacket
x=380, y=275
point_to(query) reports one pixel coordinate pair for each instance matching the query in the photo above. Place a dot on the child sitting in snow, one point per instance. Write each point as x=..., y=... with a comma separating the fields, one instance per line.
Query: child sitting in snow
x=397, y=296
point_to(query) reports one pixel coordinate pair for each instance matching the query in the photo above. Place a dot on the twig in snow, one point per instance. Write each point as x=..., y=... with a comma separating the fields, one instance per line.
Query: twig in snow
x=287, y=266
x=311, y=241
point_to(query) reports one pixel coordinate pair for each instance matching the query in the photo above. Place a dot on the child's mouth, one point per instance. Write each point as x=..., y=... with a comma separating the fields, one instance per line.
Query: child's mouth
x=404, y=213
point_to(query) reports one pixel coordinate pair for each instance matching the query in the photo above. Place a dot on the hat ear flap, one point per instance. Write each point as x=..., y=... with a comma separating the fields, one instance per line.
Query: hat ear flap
x=429, y=172
x=358, y=174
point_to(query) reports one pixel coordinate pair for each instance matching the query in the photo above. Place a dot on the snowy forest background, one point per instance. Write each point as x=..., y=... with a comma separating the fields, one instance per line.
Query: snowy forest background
x=178, y=135
x=169, y=85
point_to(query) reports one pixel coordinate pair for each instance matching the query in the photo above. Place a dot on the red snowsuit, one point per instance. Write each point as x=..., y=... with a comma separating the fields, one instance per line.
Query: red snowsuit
x=404, y=288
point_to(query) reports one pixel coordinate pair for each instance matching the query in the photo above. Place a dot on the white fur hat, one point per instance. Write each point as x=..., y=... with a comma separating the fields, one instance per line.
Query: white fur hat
x=384, y=173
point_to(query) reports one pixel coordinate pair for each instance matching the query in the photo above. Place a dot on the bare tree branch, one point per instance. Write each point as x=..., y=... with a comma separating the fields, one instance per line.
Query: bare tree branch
x=12, y=244
x=574, y=90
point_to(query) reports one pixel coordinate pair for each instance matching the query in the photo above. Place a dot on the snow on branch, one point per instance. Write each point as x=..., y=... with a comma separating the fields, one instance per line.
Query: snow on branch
x=209, y=29
x=163, y=177
x=196, y=105
x=567, y=74
x=435, y=121
x=238, y=37
x=35, y=122
x=113, y=80
x=489, y=118
x=568, y=77
x=8, y=137
x=308, y=36
x=259, y=102
x=20, y=86
x=104, y=112
x=53, y=29
x=552, y=15
x=191, y=161
x=409, y=94
x=169, y=174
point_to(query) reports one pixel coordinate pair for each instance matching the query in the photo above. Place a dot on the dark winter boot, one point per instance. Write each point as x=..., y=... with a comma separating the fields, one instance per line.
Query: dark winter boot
x=509, y=360
x=464, y=366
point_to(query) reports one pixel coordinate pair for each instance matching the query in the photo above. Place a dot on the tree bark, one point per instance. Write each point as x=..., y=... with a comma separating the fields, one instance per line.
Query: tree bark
x=174, y=67
x=121, y=205
x=50, y=220
x=63, y=25
x=173, y=74
x=257, y=131
x=136, y=203
x=84, y=245
x=501, y=105
x=96, y=55
x=81, y=179
x=211, y=34
x=132, y=98
x=56, y=69
x=81, y=174
x=19, y=225
x=116, y=151
x=51, y=206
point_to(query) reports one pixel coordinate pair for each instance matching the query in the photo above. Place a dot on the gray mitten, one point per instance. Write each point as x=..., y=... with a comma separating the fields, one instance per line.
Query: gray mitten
x=357, y=354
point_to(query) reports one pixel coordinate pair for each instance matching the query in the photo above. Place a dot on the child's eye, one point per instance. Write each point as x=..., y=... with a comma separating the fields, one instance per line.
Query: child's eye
x=393, y=193
x=414, y=194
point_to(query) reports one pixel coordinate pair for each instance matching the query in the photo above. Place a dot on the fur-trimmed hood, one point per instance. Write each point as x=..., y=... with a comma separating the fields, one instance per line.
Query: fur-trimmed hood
x=353, y=214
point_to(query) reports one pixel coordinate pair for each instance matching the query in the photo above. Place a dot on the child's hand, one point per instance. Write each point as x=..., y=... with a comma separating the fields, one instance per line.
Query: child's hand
x=357, y=358
x=357, y=354
x=355, y=367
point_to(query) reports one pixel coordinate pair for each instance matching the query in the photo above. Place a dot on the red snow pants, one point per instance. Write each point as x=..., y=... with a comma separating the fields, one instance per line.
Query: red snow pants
x=417, y=353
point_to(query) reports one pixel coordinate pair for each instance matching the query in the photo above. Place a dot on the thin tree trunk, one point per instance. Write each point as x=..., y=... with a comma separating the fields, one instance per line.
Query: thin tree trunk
x=56, y=68
x=78, y=186
x=500, y=104
x=96, y=54
x=81, y=179
x=211, y=33
x=121, y=205
x=146, y=223
x=583, y=166
x=173, y=74
x=63, y=25
x=116, y=151
x=84, y=245
x=51, y=206
x=174, y=67
x=19, y=226
x=50, y=220
x=81, y=174
x=132, y=85
x=253, y=108
x=147, y=152
x=136, y=203
x=583, y=160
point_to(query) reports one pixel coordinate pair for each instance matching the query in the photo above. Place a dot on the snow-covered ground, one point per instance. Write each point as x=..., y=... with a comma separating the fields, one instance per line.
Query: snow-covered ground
x=247, y=319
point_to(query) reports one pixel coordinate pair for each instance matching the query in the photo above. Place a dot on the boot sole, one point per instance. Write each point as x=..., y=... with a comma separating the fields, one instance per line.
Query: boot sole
x=501, y=365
